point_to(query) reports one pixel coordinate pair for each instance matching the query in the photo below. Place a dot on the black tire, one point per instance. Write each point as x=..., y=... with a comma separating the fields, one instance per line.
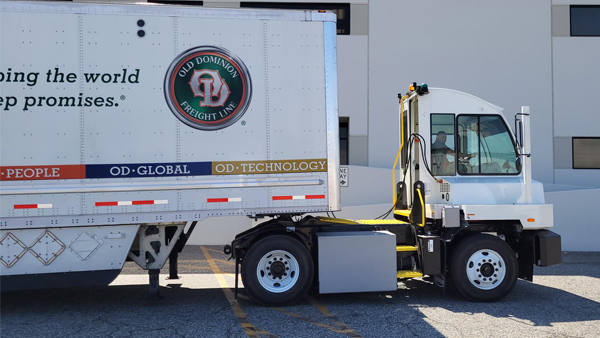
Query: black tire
x=465, y=263
x=250, y=272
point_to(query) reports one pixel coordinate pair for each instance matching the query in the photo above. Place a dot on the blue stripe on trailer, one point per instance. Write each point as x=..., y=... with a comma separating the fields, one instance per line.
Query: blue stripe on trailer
x=148, y=170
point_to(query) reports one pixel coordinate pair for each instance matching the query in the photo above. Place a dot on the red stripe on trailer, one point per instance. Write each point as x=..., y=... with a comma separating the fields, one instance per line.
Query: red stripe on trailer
x=32, y=206
x=217, y=200
x=281, y=198
x=25, y=206
x=124, y=203
x=230, y=199
x=106, y=204
x=142, y=202
x=299, y=197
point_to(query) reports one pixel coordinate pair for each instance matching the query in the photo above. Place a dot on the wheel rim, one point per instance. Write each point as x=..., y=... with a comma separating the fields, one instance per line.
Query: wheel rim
x=486, y=269
x=277, y=271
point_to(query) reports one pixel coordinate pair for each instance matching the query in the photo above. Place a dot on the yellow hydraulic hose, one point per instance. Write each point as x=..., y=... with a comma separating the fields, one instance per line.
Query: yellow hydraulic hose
x=399, y=150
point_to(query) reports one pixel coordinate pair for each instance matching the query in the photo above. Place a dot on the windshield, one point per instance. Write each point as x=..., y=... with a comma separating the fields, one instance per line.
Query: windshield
x=485, y=146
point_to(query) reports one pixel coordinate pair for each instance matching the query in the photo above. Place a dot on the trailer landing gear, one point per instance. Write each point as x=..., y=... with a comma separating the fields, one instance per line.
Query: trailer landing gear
x=154, y=287
x=173, y=264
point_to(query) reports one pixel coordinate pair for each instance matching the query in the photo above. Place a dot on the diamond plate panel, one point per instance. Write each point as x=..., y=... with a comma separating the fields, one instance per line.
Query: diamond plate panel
x=11, y=250
x=85, y=245
x=47, y=247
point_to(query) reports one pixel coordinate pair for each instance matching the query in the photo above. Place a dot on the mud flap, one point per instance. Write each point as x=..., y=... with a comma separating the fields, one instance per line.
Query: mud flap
x=548, y=248
x=542, y=248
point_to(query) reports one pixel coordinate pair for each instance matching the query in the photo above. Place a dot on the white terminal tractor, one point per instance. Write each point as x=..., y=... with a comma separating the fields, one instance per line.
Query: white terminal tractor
x=466, y=210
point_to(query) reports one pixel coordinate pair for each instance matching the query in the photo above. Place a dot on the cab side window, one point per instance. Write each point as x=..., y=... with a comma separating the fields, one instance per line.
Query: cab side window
x=485, y=146
x=442, y=145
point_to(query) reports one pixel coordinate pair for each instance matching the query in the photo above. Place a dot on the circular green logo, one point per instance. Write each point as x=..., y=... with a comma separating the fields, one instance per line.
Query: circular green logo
x=208, y=88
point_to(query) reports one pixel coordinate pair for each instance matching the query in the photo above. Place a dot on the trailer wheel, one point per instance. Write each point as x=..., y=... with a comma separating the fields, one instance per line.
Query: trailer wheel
x=484, y=268
x=277, y=270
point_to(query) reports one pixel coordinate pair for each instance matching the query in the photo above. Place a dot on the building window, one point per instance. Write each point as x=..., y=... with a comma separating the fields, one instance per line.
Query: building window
x=344, y=122
x=341, y=10
x=586, y=152
x=177, y=2
x=585, y=20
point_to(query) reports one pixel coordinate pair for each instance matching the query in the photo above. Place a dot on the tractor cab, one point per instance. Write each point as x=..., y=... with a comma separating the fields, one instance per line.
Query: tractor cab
x=457, y=151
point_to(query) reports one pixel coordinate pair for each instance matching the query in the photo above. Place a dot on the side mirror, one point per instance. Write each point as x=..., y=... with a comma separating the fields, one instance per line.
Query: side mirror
x=520, y=136
x=518, y=164
x=518, y=130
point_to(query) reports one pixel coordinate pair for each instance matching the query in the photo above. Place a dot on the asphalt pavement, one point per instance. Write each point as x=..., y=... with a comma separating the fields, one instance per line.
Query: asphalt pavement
x=563, y=301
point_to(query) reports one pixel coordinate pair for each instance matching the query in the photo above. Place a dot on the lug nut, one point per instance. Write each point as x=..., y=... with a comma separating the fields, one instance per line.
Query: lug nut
x=269, y=274
x=287, y=268
x=267, y=268
x=285, y=262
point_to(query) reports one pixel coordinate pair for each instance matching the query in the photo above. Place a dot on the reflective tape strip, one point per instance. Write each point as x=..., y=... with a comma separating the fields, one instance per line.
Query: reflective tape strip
x=33, y=206
x=146, y=202
x=218, y=200
x=300, y=197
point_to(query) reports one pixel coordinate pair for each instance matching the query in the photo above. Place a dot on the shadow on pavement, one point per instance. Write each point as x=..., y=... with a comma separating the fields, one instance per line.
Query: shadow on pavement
x=127, y=310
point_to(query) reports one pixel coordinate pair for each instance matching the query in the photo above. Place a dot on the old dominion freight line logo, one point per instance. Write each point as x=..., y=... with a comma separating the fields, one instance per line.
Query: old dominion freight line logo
x=208, y=88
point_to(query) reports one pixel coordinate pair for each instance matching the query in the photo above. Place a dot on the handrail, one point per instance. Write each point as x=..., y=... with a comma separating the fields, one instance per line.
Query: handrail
x=422, y=208
x=399, y=150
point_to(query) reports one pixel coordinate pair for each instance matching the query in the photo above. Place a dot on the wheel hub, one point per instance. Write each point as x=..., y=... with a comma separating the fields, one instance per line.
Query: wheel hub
x=277, y=271
x=486, y=269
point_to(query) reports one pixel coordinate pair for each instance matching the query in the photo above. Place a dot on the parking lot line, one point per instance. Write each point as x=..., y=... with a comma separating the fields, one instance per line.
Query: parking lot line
x=308, y=320
x=215, y=250
x=249, y=329
x=224, y=261
x=347, y=330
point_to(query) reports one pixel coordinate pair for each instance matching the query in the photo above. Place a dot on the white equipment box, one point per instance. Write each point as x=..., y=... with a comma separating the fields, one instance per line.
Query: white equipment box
x=357, y=261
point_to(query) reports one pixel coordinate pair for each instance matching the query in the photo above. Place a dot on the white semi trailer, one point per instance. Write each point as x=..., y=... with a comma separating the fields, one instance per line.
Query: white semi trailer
x=124, y=125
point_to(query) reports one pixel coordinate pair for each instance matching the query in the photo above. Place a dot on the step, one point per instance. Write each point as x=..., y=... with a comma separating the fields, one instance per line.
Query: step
x=408, y=274
x=405, y=248
x=401, y=212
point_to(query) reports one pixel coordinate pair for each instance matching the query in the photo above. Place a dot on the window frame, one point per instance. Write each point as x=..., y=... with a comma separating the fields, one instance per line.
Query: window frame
x=573, y=151
x=454, y=121
x=346, y=121
x=512, y=139
x=571, y=20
